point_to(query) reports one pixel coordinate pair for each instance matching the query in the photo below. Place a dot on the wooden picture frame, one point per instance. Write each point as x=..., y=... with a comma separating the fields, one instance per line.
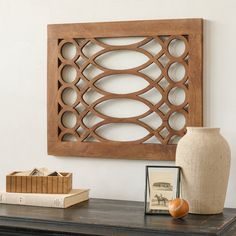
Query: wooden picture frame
x=190, y=31
x=162, y=185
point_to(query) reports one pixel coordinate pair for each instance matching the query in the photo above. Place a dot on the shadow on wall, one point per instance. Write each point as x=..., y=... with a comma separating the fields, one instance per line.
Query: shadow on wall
x=207, y=72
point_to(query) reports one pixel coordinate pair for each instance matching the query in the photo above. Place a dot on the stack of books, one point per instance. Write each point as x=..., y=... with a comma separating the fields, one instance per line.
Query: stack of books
x=45, y=200
x=40, y=187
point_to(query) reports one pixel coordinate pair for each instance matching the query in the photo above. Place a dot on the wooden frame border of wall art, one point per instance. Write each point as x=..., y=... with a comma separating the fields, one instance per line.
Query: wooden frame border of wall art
x=190, y=30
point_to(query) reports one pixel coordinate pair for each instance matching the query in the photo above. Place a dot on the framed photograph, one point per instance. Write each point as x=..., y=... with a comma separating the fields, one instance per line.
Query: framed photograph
x=162, y=185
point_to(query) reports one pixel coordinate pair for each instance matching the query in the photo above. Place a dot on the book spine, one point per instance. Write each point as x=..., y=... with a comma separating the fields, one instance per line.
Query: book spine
x=32, y=200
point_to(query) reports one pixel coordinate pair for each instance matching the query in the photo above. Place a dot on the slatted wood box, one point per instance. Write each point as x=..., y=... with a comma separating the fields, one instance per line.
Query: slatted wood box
x=39, y=184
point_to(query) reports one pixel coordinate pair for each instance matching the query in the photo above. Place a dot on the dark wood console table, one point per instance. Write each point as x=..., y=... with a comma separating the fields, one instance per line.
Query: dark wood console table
x=111, y=218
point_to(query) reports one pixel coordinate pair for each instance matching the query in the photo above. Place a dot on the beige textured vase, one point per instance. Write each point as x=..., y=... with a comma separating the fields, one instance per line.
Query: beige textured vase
x=204, y=156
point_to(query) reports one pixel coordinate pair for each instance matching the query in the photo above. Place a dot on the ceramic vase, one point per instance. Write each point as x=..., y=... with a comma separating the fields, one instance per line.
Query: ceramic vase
x=204, y=156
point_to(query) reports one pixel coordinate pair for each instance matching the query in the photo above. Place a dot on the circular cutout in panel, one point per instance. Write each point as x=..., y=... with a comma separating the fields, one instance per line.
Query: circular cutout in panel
x=121, y=83
x=177, y=96
x=68, y=74
x=176, y=71
x=121, y=108
x=177, y=121
x=122, y=132
x=121, y=59
x=69, y=96
x=176, y=47
x=68, y=119
x=68, y=51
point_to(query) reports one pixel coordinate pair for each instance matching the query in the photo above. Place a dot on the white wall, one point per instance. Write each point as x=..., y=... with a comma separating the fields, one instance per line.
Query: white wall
x=23, y=72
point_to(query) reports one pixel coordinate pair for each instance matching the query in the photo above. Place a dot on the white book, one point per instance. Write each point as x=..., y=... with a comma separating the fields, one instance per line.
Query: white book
x=44, y=199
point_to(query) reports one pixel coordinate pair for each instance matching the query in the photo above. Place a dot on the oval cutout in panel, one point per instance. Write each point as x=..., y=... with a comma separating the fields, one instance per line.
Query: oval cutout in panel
x=121, y=41
x=121, y=59
x=121, y=83
x=122, y=132
x=121, y=108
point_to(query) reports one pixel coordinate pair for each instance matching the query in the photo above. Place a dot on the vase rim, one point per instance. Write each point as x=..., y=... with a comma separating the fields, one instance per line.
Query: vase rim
x=207, y=129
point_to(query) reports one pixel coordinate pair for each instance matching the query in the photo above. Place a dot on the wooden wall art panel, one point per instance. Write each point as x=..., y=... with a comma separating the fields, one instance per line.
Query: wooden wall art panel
x=85, y=118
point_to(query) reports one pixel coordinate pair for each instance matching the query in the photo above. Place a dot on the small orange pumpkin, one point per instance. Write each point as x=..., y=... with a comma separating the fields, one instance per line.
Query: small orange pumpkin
x=178, y=208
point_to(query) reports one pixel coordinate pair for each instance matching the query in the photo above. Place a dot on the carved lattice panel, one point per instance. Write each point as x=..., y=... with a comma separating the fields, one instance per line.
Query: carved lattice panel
x=165, y=57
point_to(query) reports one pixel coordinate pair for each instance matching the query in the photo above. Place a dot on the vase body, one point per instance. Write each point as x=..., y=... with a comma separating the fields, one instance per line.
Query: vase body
x=204, y=156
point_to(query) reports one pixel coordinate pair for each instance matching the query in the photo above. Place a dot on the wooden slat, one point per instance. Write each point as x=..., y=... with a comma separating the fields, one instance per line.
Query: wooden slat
x=50, y=184
x=29, y=184
x=39, y=187
x=70, y=183
x=18, y=184
x=65, y=184
x=24, y=184
x=45, y=185
x=54, y=184
x=34, y=184
x=60, y=185
x=8, y=183
x=13, y=183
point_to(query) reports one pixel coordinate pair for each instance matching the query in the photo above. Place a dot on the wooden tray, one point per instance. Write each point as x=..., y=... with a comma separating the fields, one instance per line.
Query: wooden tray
x=39, y=184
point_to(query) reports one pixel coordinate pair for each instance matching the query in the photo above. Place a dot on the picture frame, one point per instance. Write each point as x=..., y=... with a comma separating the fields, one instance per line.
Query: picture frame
x=162, y=185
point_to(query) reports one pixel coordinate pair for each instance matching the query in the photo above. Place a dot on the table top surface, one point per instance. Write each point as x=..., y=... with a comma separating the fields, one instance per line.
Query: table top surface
x=110, y=215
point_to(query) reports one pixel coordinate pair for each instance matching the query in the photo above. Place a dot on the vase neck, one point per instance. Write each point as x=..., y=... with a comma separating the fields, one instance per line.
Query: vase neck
x=206, y=130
